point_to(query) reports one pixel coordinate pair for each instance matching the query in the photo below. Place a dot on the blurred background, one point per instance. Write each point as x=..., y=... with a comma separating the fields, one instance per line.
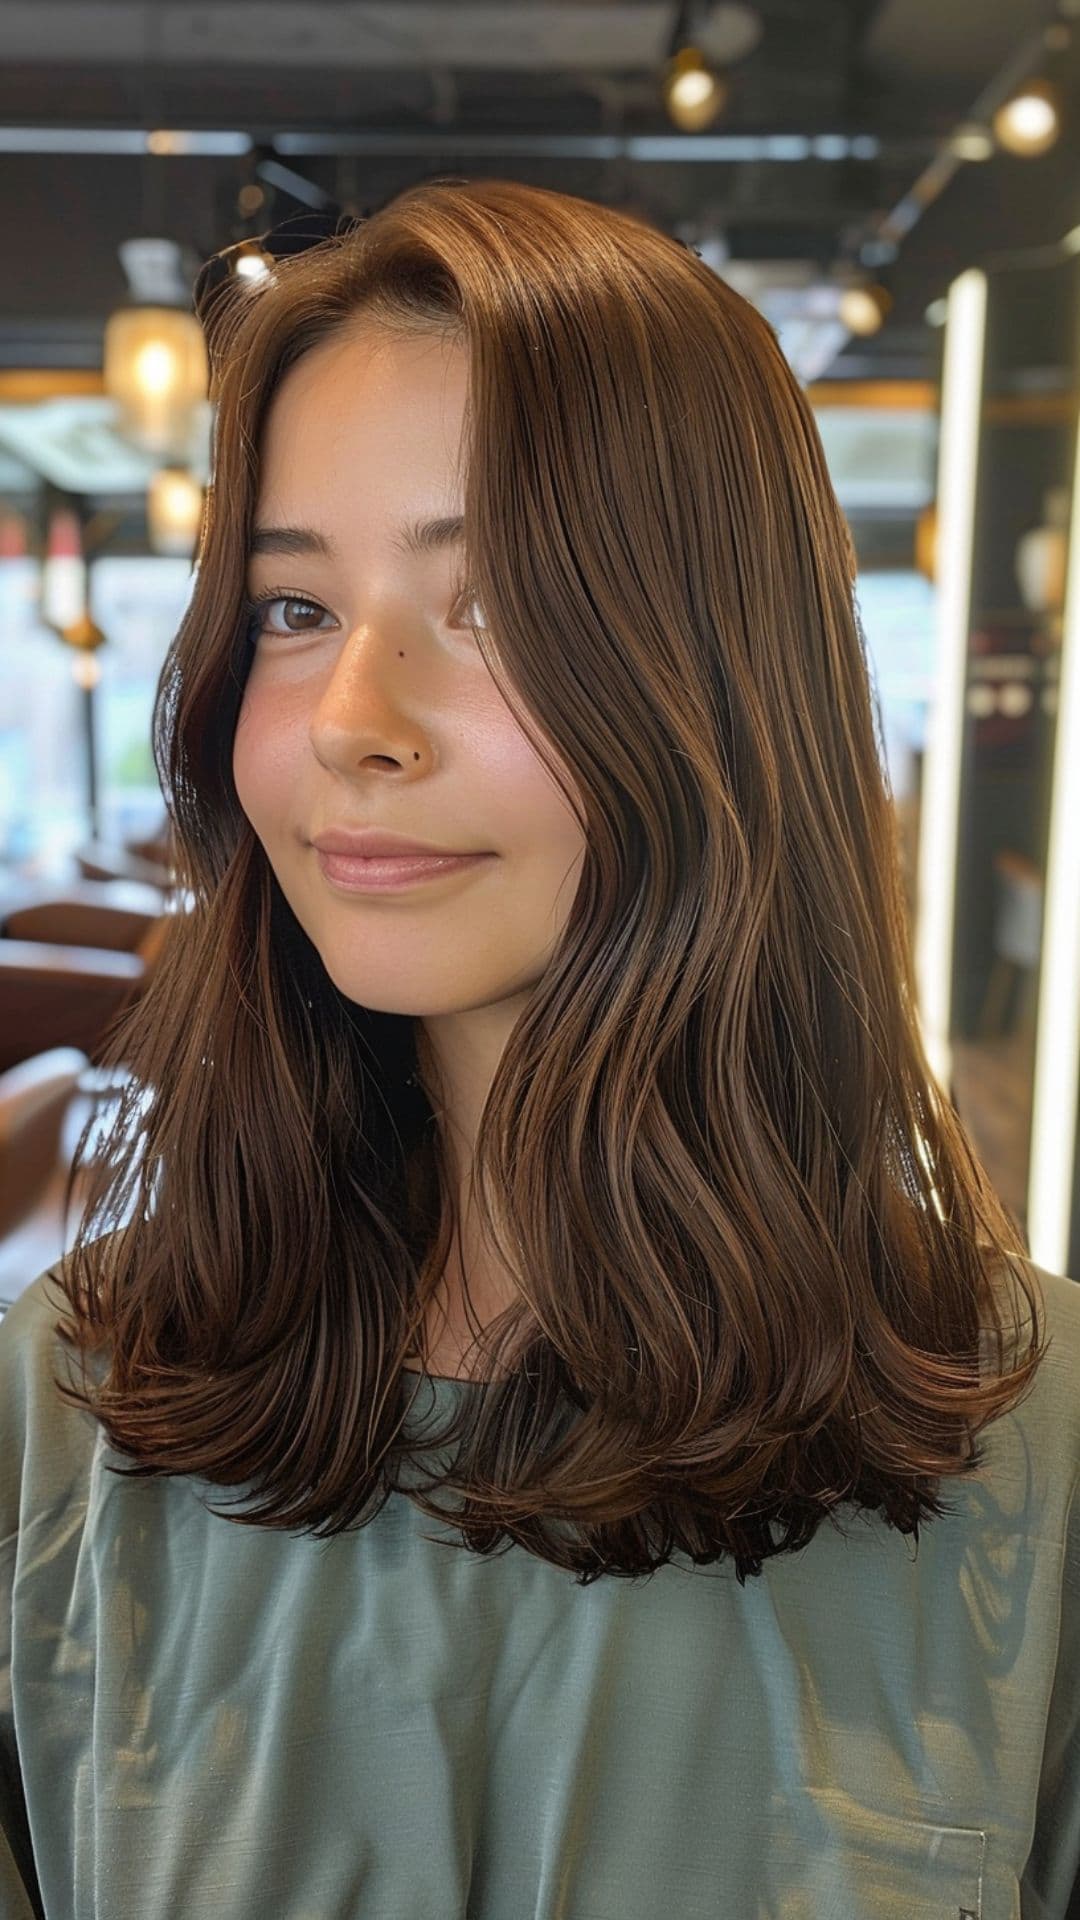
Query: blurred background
x=895, y=183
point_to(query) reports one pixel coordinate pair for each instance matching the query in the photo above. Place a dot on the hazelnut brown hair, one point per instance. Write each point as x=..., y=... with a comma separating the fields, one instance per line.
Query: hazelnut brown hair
x=755, y=1248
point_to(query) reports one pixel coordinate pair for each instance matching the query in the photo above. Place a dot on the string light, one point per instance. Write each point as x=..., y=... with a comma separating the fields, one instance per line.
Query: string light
x=1029, y=123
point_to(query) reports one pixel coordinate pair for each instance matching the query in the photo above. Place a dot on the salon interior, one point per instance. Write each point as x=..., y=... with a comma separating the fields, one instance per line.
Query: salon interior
x=894, y=183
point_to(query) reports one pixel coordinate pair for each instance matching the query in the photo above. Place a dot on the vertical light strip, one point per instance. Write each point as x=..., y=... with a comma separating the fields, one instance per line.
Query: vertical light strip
x=1051, y=1168
x=939, y=808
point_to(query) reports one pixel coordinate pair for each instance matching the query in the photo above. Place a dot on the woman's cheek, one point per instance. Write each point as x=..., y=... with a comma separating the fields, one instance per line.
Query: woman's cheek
x=263, y=753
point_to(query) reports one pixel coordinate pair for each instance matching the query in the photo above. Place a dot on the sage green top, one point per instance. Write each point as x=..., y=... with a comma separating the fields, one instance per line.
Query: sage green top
x=202, y=1721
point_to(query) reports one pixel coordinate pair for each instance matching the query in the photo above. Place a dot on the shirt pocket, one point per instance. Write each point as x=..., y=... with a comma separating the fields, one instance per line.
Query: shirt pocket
x=830, y=1858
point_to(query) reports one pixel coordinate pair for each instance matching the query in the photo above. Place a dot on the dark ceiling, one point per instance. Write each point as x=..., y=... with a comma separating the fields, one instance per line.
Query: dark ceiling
x=556, y=93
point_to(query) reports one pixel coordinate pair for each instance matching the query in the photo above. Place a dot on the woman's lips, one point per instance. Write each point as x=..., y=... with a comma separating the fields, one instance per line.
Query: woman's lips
x=385, y=874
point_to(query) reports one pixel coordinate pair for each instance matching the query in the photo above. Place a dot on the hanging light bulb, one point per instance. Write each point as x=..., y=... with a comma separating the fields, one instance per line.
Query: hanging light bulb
x=694, y=95
x=1030, y=122
x=156, y=367
x=863, y=309
x=174, y=505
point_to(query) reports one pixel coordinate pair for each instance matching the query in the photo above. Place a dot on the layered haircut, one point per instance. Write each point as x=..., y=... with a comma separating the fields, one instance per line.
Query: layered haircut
x=757, y=1258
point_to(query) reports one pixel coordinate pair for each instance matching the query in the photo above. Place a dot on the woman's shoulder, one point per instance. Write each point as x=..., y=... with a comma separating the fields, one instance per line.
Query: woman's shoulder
x=1062, y=1296
x=1033, y=1449
x=28, y=1322
x=45, y=1442
x=1058, y=1298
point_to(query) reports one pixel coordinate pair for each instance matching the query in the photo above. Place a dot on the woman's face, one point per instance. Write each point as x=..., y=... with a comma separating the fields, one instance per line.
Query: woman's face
x=368, y=702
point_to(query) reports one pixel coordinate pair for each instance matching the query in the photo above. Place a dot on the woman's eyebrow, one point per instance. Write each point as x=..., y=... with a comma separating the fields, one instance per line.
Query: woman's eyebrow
x=418, y=537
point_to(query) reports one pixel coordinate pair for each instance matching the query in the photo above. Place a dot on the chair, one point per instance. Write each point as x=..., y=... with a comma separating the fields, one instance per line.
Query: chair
x=115, y=914
x=61, y=996
x=72, y=954
x=1017, y=943
x=35, y=1102
x=108, y=860
x=34, y=1098
x=158, y=848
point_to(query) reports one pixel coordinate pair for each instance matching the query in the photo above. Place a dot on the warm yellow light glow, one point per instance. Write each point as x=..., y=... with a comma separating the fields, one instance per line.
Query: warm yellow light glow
x=965, y=330
x=862, y=309
x=691, y=89
x=174, y=504
x=694, y=95
x=157, y=372
x=155, y=369
x=1030, y=122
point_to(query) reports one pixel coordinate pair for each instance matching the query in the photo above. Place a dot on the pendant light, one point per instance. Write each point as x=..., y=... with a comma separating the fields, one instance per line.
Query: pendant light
x=174, y=510
x=156, y=368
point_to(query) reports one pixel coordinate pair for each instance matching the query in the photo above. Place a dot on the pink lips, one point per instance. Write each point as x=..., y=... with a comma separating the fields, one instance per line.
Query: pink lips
x=389, y=874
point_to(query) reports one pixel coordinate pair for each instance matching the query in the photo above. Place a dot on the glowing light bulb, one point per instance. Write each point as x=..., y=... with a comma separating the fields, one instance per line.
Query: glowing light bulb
x=1030, y=122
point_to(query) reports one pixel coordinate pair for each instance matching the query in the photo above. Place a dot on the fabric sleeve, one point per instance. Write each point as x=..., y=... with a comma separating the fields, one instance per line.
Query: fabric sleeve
x=1052, y=1876
x=20, y=1894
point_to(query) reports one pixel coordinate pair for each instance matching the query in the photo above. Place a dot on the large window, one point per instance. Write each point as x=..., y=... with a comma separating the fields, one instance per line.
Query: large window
x=898, y=614
x=137, y=601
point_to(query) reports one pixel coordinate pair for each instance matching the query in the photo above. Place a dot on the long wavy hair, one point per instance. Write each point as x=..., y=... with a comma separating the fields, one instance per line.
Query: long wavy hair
x=753, y=1248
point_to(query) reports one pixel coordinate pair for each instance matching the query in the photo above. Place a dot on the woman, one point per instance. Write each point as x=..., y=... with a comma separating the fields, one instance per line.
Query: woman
x=598, y=1181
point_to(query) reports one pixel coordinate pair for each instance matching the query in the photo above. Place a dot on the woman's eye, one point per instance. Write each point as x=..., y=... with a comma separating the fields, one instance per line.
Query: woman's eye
x=302, y=616
x=262, y=624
